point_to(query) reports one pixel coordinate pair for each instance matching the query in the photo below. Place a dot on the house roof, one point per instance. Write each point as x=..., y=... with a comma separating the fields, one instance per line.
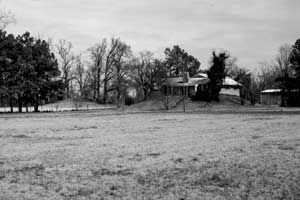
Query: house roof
x=191, y=82
x=201, y=75
x=199, y=79
x=227, y=81
x=230, y=82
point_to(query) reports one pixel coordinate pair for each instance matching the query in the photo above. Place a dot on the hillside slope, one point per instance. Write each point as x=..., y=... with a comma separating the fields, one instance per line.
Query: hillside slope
x=158, y=102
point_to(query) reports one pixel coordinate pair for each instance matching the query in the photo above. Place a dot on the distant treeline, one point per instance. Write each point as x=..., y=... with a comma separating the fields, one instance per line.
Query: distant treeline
x=112, y=68
x=32, y=71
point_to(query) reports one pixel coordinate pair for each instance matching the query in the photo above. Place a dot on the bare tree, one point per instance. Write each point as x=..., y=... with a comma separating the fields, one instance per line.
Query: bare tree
x=79, y=73
x=113, y=58
x=144, y=72
x=281, y=63
x=248, y=89
x=266, y=77
x=67, y=59
x=97, y=54
x=278, y=67
x=90, y=81
x=283, y=70
x=277, y=73
x=6, y=18
x=122, y=52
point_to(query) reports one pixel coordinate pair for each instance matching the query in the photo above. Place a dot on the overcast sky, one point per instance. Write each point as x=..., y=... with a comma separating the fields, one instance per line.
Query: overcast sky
x=251, y=30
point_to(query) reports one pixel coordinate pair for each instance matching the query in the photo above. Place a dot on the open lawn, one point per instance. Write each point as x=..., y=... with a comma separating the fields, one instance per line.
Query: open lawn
x=149, y=156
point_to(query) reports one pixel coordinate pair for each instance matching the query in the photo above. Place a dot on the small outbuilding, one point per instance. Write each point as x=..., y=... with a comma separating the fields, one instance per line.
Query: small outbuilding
x=230, y=87
x=271, y=97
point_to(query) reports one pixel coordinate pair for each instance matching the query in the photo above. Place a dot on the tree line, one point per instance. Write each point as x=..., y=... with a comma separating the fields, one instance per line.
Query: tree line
x=34, y=71
x=283, y=72
x=112, y=68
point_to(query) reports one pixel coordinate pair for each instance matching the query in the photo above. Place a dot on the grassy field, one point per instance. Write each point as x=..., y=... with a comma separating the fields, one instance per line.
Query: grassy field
x=149, y=156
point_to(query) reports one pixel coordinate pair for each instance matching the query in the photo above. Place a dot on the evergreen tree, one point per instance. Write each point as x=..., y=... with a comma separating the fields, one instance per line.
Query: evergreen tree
x=295, y=60
x=177, y=60
x=8, y=59
x=27, y=70
x=294, y=98
x=46, y=69
x=217, y=73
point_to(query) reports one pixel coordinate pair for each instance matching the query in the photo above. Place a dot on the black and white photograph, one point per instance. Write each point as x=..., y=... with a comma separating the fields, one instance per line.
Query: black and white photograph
x=149, y=100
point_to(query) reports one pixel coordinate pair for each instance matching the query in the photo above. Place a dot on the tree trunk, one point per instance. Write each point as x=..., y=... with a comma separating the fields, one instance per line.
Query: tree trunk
x=105, y=92
x=67, y=87
x=36, y=103
x=11, y=104
x=242, y=100
x=2, y=101
x=252, y=99
x=145, y=94
x=20, y=103
x=98, y=83
x=119, y=82
x=81, y=90
x=118, y=93
x=20, y=107
x=94, y=92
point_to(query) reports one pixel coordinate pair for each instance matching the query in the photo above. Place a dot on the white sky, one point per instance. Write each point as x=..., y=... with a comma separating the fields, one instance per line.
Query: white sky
x=251, y=30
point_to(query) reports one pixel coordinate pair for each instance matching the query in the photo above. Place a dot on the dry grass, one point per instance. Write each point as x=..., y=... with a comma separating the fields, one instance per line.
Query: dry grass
x=149, y=156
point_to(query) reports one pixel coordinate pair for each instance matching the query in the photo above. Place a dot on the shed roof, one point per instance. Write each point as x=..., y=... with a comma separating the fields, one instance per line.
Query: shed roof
x=271, y=91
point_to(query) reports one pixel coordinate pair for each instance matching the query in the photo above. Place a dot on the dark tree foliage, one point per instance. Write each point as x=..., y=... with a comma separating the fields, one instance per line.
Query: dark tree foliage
x=8, y=58
x=27, y=70
x=286, y=84
x=217, y=73
x=177, y=60
x=295, y=61
x=45, y=67
x=294, y=81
